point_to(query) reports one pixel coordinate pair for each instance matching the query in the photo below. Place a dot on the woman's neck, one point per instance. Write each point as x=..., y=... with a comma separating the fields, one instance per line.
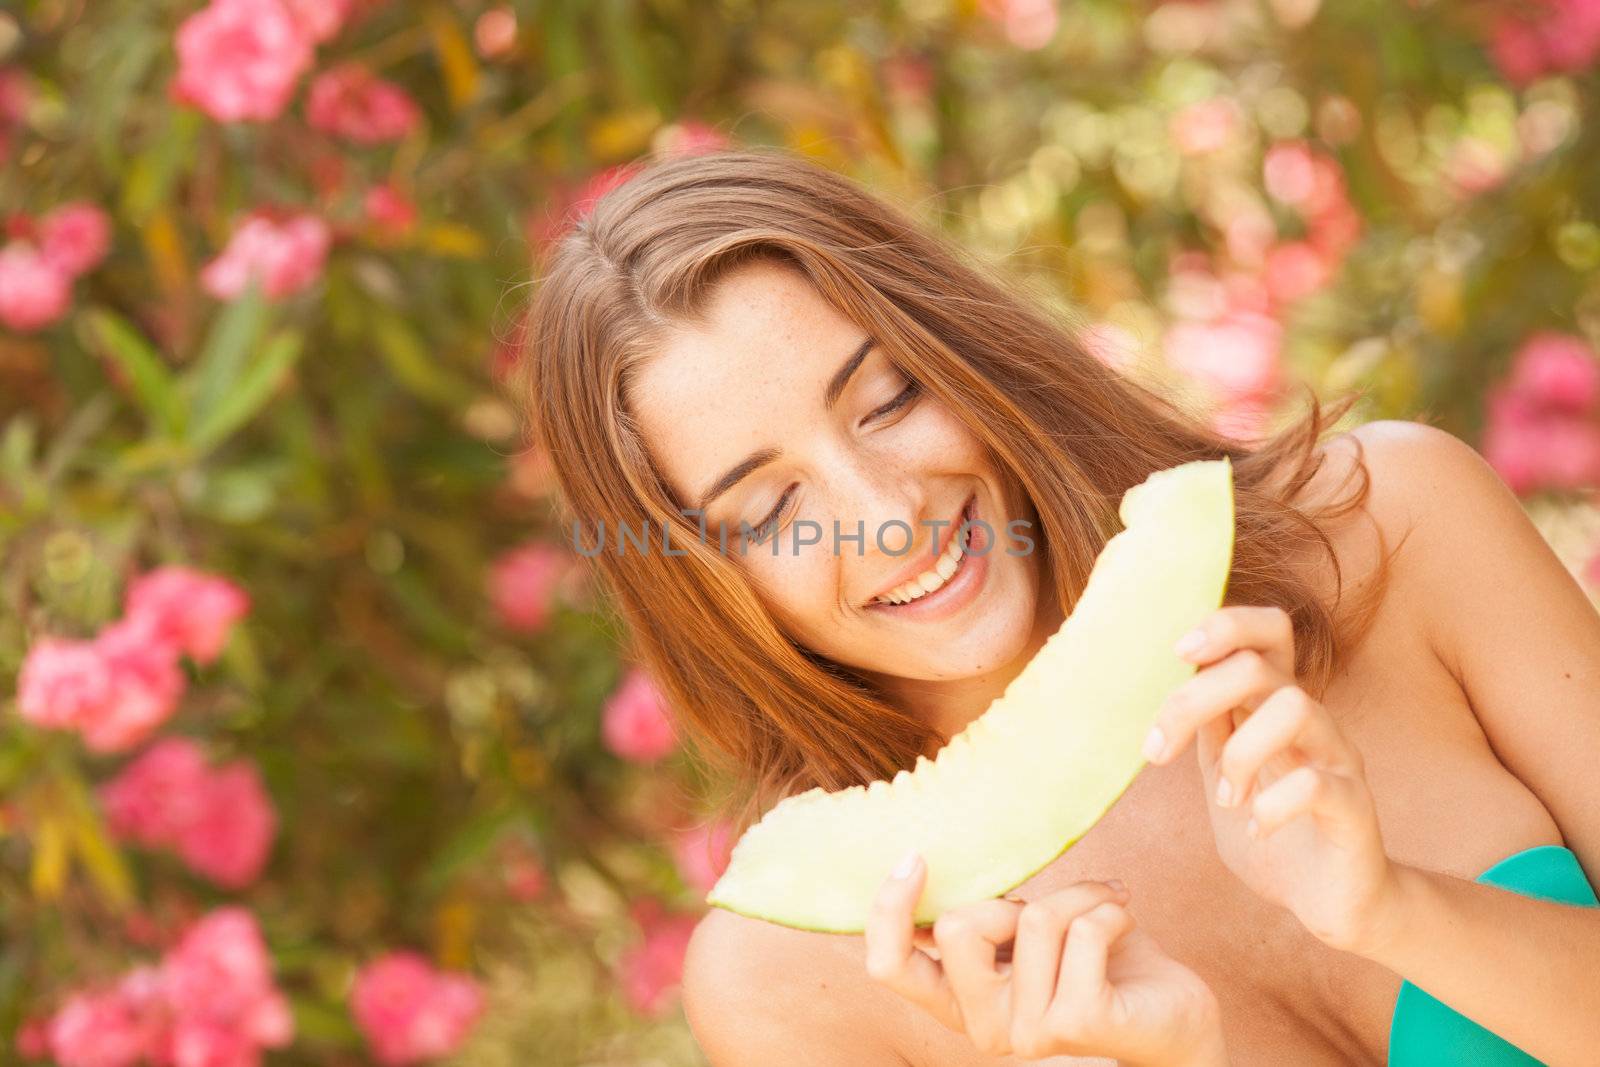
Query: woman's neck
x=949, y=706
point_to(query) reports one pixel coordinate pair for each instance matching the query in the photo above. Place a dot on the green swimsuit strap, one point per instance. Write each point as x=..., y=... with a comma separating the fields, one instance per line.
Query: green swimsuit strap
x=1425, y=1031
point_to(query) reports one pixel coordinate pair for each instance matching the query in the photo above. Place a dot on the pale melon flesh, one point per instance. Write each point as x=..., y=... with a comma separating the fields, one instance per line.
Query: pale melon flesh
x=1040, y=767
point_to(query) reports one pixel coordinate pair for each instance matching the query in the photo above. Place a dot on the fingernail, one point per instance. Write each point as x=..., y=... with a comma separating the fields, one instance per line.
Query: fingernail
x=906, y=866
x=1116, y=885
x=1191, y=642
x=1155, y=742
x=1224, y=793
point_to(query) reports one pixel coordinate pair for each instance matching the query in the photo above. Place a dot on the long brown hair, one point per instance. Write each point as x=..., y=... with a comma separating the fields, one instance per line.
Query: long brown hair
x=1074, y=432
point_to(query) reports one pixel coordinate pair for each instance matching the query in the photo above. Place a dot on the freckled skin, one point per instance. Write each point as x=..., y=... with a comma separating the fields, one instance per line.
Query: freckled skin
x=754, y=377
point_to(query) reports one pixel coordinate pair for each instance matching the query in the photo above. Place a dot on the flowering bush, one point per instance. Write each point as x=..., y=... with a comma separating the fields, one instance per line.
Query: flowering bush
x=316, y=743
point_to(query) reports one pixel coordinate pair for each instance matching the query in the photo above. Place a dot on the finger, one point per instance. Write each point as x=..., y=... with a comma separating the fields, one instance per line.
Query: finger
x=1083, y=986
x=1210, y=740
x=1269, y=630
x=891, y=957
x=1289, y=722
x=1036, y=960
x=968, y=938
x=1340, y=805
x=1242, y=679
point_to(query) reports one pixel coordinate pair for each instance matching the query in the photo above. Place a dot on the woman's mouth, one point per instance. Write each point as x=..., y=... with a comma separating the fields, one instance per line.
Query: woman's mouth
x=950, y=583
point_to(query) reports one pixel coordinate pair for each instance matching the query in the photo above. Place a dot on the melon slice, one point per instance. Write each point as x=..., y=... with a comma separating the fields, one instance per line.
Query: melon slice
x=1047, y=759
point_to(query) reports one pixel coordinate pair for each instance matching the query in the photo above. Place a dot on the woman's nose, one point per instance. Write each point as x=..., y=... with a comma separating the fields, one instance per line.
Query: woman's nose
x=884, y=505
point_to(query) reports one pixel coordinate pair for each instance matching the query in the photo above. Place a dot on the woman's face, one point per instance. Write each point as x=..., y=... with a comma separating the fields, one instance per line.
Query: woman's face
x=780, y=415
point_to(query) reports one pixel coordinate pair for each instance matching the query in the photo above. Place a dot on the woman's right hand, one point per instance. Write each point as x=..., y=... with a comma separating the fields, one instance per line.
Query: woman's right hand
x=1082, y=978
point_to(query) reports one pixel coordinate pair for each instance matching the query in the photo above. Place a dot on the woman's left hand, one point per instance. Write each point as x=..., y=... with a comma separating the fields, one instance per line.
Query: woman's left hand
x=1290, y=807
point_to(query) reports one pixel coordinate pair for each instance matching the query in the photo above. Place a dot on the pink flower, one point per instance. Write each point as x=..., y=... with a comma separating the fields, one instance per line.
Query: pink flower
x=211, y=1003
x=15, y=94
x=1591, y=568
x=1111, y=345
x=220, y=975
x=525, y=878
x=146, y=685
x=230, y=837
x=320, y=20
x=1544, y=37
x=522, y=585
x=1236, y=354
x=652, y=972
x=1205, y=126
x=350, y=101
x=690, y=137
x=220, y=822
x=1309, y=181
x=75, y=237
x=1533, y=447
x=547, y=225
x=241, y=59
x=192, y=610
x=1333, y=231
x=1557, y=370
x=287, y=256
x=99, y=1029
x=1294, y=270
x=33, y=1039
x=410, y=1012
x=218, y=982
x=389, y=210
x=634, y=724
x=1517, y=50
x=155, y=796
x=495, y=32
x=62, y=682
x=1027, y=24
x=702, y=853
x=34, y=292
x=909, y=77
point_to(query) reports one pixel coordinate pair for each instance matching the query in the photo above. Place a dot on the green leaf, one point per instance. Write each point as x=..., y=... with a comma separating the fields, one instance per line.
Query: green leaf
x=100, y=857
x=153, y=383
x=325, y=1025
x=416, y=366
x=17, y=447
x=471, y=841
x=227, y=349
x=249, y=394
x=152, y=172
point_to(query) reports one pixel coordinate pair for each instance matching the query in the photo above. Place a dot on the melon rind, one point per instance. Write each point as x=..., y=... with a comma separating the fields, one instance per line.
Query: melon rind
x=1033, y=773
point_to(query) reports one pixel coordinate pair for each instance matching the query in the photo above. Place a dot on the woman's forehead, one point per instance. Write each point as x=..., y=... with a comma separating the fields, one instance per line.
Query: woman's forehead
x=758, y=361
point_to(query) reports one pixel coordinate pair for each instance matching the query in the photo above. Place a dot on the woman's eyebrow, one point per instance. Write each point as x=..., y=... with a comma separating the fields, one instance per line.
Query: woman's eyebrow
x=761, y=457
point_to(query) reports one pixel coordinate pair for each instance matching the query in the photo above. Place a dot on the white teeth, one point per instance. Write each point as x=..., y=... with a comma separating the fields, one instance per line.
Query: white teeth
x=934, y=578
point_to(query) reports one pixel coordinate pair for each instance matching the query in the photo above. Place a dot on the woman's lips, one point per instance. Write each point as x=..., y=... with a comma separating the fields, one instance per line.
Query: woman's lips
x=963, y=586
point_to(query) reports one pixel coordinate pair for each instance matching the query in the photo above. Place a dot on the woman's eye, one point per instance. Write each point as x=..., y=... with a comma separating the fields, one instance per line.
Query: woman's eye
x=906, y=396
x=770, y=523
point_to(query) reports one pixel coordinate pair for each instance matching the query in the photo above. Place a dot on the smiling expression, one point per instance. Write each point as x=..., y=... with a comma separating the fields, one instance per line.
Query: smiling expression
x=779, y=409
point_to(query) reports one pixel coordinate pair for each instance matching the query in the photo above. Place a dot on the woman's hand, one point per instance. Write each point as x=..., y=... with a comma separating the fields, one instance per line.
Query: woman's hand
x=1068, y=973
x=1290, y=808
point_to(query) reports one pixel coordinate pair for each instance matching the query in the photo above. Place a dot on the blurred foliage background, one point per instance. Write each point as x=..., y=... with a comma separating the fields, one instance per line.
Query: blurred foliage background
x=1234, y=196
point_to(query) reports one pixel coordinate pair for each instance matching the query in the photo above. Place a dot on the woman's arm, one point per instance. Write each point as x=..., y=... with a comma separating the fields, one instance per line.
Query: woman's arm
x=1523, y=640
x=1293, y=816
x=755, y=994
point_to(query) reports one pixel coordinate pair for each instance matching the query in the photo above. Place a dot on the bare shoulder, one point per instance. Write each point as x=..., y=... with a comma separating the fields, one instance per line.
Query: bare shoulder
x=756, y=992
x=1447, y=516
x=1432, y=487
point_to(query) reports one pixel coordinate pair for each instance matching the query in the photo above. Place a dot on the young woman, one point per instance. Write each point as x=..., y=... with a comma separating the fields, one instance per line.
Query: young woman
x=1364, y=830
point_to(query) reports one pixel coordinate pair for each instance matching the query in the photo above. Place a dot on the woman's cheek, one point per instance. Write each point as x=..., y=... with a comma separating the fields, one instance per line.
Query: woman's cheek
x=802, y=589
